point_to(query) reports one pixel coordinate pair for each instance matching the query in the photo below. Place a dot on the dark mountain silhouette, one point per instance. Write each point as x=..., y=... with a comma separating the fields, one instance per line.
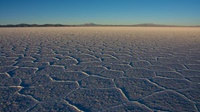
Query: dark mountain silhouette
x=89, y=24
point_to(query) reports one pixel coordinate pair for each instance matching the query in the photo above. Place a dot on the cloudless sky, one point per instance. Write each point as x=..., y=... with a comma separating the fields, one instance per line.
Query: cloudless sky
x=172, y=12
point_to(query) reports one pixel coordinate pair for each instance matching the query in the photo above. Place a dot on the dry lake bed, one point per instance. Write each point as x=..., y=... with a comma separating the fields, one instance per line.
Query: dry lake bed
x=100, y=69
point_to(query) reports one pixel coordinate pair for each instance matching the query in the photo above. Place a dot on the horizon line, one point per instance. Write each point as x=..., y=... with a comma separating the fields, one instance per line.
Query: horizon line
x=91, y=24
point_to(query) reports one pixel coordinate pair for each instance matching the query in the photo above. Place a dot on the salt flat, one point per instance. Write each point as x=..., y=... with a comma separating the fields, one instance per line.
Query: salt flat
x=100, y=69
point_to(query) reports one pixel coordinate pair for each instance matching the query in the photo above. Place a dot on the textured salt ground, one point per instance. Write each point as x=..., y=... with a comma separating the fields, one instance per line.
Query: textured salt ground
x=100, y=69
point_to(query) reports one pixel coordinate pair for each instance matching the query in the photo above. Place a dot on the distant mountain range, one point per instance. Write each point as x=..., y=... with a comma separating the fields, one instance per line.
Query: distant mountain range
x=91, y=24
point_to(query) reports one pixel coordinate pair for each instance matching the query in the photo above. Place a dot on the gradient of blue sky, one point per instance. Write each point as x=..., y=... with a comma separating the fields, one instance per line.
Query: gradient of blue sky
x=174, y=12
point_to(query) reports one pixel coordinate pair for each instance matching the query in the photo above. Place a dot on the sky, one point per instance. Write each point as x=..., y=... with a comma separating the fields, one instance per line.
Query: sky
x=110, y=12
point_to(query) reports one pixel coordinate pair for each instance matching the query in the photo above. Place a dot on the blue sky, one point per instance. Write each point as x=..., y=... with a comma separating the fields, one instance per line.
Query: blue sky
x=173, y=12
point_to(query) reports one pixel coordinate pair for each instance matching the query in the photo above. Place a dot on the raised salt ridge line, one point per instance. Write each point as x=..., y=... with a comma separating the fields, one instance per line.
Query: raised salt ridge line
x=73, y=106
